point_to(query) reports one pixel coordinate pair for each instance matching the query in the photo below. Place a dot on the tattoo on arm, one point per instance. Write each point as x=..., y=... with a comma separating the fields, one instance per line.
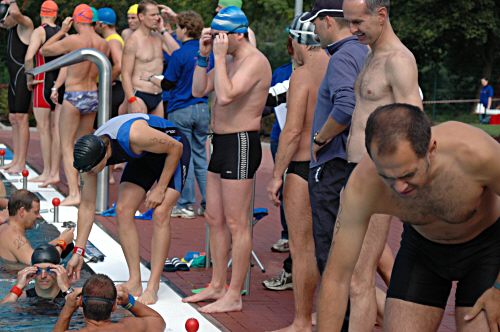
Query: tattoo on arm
x=19, y=242
x=161, y=141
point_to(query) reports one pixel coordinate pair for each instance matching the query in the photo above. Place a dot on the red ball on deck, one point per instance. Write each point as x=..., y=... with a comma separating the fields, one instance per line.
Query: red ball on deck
x=2, y=152
x=56, y=201
x=25, y=173
x=192, y=325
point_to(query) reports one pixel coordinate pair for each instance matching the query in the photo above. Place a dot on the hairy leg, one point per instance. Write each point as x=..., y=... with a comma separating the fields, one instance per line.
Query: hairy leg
x=363, y=296
x=480, y=323
x=220, y=242
x=407, y=316
x=130, y=196
x=237, y=219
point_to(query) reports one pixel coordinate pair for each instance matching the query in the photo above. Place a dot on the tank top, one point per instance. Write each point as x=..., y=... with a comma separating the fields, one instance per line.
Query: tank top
x=118, y=130
x=115, y=36
x=40, y=59
x=16, y=51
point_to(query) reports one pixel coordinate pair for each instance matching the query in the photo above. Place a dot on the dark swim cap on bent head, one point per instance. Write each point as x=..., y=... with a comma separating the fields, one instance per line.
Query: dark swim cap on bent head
x=88, y=152
x=46, y=253
x=230, y=19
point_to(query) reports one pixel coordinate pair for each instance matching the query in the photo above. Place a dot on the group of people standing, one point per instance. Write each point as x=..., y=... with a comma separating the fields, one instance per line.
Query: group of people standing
x=356, y=149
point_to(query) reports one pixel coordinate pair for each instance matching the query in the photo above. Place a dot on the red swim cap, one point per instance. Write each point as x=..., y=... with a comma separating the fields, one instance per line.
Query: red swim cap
x=49, y=9
x=82, y=14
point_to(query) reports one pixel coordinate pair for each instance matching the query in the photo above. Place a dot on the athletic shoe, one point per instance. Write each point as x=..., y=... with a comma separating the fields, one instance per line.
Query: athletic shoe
x=282, y=281
x=281, y=246
x=182, y=213
x=200, y=211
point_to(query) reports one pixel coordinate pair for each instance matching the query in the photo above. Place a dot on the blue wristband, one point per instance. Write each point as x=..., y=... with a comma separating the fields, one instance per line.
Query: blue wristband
x=496, y=285
x=130, y=304
x=202, y=61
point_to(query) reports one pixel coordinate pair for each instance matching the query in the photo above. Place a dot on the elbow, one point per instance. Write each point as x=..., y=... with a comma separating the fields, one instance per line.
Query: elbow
x=224, y=100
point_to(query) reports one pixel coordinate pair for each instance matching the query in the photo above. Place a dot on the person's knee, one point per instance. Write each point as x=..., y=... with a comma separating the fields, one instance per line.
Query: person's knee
x=361, y=285
x=237, y=226
x=161, y=215
x=123, y=210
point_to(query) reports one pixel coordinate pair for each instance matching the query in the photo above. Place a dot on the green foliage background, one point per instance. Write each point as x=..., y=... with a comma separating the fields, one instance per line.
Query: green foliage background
x=455, y=42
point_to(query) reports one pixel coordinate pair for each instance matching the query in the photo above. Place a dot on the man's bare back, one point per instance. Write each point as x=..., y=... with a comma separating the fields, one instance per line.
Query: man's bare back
x=245, y=112
x=442, y=211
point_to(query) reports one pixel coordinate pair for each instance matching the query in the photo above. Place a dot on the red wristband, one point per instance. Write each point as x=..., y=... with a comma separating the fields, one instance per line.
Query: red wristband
x=16, y=290
x=79, y=251
x=61, y=243
x=132, y=99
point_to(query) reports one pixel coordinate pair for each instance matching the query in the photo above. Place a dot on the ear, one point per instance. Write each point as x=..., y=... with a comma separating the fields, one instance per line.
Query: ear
x=432, y=147
x=80, y=300
x=114, y=307
x=382, y=14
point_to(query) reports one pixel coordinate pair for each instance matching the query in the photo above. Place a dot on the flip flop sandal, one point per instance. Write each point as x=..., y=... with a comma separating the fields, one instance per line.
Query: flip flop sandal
x=180, y=265
x=169, y=266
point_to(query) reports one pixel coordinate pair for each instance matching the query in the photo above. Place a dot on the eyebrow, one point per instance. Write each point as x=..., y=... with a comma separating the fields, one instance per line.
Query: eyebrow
x=404, y=176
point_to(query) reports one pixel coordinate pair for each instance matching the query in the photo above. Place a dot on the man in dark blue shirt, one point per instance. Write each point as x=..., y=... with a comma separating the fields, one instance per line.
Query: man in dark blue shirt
x=189, y=113
x=485, y=98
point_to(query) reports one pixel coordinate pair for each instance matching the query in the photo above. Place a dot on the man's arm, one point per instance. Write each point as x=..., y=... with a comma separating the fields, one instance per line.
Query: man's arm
x=35, y=43
x=116, y=51
x=128, y=62
x=15, y=14
x=290, y=136
x=72, y=303
x=402, y=74
x=229, y=89
x=145, y=138
x=21, y=249
x=203, y=81
x=350, y=229
x=146, y=319
x=85, y=221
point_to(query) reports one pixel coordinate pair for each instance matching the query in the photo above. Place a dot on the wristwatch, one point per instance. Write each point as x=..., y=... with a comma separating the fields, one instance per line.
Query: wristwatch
x=68, y=291
x=316, y=142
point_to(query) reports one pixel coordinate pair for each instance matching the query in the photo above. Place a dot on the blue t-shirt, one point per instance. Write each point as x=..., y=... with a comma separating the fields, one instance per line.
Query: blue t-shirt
x=166, y=58
x=280, y=74
x=486, y=93
x=336, y=96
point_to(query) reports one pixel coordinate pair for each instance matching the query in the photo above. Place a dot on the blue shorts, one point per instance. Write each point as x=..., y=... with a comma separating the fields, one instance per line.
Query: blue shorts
x=84, y=101
x=146, y=170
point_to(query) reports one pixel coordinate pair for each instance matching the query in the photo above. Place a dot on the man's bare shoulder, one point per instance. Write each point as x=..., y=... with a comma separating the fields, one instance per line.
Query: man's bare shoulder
x=299, y=79
x=400, y=58
x=366, y=184
x=468, y=146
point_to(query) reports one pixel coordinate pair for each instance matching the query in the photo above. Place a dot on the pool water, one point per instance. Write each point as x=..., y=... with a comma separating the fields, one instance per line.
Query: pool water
x=39, y=314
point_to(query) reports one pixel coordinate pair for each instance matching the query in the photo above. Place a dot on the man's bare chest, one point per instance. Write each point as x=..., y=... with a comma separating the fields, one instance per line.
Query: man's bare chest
x=149, y=51
x=372, y=83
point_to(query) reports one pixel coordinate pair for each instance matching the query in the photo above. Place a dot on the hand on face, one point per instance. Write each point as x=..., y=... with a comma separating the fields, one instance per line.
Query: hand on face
x=25, y=276
x=206, y=42
x=221, y=44
x=61, y=276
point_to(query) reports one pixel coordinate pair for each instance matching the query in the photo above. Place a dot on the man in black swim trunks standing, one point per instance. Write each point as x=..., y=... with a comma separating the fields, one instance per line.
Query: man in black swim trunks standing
x=20, y=28
x=143, y=53
x=241, y=84
x=294, y=153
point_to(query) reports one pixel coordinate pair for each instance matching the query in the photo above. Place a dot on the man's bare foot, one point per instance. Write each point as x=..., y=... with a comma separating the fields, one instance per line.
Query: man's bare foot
x=71, y=201
x=149, y=296
x=135, y=289
x=49, y=181
x=15, y=169
x=208, y=293
x=224, y=304
x=40, y=178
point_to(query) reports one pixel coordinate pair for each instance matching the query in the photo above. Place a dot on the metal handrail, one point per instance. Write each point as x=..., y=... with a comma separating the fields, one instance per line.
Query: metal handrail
x=104, y=66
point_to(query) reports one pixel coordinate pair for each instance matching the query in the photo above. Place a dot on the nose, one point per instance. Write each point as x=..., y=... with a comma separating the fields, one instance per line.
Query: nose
x=353, y=27
x=400, y=186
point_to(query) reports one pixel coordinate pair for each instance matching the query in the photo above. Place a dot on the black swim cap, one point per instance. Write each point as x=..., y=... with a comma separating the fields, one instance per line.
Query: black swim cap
x=4, y=11
x=46, y=253
x=89, y=151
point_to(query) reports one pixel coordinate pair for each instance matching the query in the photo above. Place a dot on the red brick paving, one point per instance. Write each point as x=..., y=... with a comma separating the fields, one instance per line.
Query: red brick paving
x=263, y=310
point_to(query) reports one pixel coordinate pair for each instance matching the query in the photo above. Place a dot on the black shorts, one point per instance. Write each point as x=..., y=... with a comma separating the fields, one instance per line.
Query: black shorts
x=300, y=168
x=117, y=97
x=146, y=170
x=19, y=97
x=150, y=99
x=236, y=156
x=424, y=270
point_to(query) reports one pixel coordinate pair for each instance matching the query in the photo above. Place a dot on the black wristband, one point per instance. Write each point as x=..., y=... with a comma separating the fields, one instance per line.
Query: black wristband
x=316, y=142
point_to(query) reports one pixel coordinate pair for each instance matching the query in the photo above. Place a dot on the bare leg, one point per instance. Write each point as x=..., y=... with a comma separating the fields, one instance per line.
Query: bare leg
x=385, y=264
x=23, y=137
x=380, y=295
x=42, y=116
x=363, y=299
x=55, y=157
x=407, y=316
x=158, y=111
x=160, y=245
x=129, y=198
x=480, y=323
x=220, y=241
x=305, y=273
x=236, y=216
x=15, y=140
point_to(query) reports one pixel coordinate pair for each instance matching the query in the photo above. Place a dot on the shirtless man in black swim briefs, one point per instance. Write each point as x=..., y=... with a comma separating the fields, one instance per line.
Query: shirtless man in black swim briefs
x=80, y=99
x=143, y=53
x=241, y=83
x=19, y=29
x=442, y=182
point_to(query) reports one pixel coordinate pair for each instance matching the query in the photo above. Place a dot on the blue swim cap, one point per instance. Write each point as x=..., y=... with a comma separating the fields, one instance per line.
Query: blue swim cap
x=230, y=19
x=107, y=16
